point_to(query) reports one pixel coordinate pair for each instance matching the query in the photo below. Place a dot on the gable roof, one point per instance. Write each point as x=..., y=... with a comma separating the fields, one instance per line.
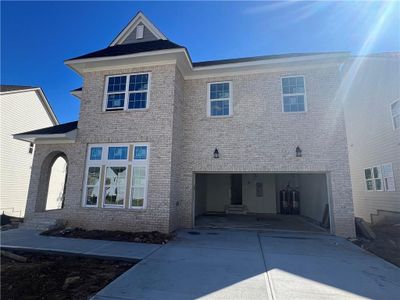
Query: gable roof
x=131, y=49
x=9, y=89
x=139, y=18
x=12, y=88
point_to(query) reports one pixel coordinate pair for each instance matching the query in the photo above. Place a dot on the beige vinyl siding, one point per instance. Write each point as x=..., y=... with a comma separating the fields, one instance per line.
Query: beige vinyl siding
x=20, y=111
x=371, y=138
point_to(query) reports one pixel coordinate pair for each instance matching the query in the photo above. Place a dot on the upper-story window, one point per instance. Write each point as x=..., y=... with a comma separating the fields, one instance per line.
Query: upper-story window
x=293, y=92
x=127, y=92
x=395, y=109
x=219, y=99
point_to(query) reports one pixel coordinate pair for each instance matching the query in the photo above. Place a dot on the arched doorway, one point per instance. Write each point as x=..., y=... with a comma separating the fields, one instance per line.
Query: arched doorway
x=56, y=186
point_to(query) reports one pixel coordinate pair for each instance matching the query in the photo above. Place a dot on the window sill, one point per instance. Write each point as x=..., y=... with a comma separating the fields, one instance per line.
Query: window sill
x=124, y=110
x=220, y=117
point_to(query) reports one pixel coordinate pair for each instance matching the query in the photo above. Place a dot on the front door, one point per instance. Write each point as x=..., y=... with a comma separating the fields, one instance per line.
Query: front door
x=236, y=189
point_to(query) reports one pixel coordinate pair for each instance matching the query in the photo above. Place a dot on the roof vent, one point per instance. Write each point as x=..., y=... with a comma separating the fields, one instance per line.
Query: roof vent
x=139, y=31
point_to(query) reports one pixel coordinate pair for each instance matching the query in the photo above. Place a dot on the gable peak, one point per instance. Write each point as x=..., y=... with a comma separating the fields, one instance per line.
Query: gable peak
x=139, y=29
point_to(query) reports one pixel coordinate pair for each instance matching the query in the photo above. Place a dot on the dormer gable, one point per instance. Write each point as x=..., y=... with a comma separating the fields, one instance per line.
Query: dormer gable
x=139, y=30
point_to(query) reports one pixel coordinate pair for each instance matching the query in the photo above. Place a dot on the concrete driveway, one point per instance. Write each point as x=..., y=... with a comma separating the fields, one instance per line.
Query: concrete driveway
x=224, y=264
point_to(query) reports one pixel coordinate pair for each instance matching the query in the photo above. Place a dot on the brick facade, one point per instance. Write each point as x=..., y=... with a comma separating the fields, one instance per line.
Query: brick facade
x=259, y=137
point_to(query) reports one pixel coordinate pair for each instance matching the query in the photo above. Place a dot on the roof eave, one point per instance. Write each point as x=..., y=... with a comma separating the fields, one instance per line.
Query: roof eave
x=58, y=138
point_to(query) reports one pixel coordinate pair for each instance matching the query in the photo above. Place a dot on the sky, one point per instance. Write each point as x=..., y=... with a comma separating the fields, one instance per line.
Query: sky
x=36, y=37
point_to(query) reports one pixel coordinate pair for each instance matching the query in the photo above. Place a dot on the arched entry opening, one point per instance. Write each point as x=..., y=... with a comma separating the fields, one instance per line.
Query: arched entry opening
x=52, y=183
x=56, y=186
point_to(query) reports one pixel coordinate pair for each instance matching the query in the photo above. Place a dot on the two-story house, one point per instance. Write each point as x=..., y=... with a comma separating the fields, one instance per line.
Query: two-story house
x=372, y=112
x=162, y=140
x=22, y=108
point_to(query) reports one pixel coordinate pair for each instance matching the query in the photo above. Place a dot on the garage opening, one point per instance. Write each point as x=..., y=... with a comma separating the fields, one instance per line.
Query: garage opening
x=295, y=202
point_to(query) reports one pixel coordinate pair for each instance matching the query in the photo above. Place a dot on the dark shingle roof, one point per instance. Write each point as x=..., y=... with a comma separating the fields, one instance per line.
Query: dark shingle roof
x=10, y=88
x=58, y=129
x=131, y=49
x=77, y=90
x=256, y=58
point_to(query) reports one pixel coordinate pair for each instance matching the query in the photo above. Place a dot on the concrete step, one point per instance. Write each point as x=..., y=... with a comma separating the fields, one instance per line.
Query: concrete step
x=42, y=224
x=236, y=209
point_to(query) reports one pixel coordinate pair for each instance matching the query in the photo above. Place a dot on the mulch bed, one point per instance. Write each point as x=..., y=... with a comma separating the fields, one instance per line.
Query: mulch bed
x=153, y=237
x=45, y=276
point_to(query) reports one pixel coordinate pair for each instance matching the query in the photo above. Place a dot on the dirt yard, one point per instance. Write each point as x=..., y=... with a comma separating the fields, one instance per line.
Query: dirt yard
x=59, y=277
x=386, y=244
x=153, y=237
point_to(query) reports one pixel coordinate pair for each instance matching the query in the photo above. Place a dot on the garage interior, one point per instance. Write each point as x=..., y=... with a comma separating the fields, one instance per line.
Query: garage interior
x=253, y=201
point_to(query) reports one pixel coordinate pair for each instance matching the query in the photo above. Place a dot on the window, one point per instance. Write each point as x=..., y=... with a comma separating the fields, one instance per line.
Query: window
x=106, y=181
x=138, y=186
x=380, y=178
x=139, y=176
x=388, y=178
x=139, y=32
x=377, y=178
x=395, y=109
x=115, y=186
x=293, y=92
x=127, y=92
x=368, y=179
x=219, y=99
x=95, y=153
x=117, y=153
x=92, y=186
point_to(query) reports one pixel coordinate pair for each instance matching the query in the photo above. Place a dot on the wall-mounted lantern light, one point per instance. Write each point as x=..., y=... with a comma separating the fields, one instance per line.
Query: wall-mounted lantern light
x=298, y=151
x=216, y=153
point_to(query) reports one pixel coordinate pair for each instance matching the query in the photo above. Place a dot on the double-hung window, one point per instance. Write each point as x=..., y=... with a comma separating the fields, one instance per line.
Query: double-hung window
x=108, y=169
x=395, y=110
x=125, y=92
x=388, y=178
x=293, y=92
x=380, y=178
x=219, y=102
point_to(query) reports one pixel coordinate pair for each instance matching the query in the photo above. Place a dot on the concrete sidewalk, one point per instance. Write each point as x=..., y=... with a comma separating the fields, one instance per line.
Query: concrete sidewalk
x=31, y=239
x=218, y=264
x=233, y=264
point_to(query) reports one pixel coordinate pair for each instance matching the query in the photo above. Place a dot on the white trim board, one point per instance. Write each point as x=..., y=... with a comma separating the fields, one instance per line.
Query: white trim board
x=139, y=18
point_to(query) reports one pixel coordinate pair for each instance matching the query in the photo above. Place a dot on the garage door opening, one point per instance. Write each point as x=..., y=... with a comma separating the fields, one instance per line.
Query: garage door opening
x=295, y=202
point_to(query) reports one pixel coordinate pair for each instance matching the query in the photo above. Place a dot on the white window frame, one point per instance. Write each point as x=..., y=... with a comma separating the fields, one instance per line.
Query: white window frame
x=105, y=162
x=385, y=177
x=372, y=180
x=296, y=94
x=140, y=163
x=92, y=163
x=393, y=116
x=126, y=92
x=209, y=100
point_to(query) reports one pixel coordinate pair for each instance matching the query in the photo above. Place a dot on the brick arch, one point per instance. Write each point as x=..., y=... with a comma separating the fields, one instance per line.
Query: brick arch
x=45, y=174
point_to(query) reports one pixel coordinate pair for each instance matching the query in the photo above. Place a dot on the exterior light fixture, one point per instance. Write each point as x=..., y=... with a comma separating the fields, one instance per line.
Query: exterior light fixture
x=216, y=153
x=298, y=151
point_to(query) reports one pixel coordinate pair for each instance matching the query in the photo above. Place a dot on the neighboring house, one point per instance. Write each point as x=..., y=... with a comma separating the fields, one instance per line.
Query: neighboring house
x=372, y=110
x=161, y=140
x=22, y=108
